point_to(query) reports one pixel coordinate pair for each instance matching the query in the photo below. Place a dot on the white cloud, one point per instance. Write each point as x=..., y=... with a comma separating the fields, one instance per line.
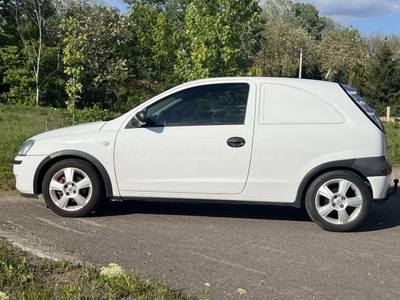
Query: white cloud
x=356, y=9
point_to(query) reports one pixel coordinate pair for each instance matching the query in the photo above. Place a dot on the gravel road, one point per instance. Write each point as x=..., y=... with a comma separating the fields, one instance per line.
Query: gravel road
x=271, y=252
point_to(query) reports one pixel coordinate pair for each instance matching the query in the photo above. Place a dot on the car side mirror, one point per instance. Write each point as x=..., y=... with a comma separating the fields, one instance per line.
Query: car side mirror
x=139, y=119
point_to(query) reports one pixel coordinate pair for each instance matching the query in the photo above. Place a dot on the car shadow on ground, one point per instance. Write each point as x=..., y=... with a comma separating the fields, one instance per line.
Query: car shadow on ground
x=246, y=211
x=381, y=216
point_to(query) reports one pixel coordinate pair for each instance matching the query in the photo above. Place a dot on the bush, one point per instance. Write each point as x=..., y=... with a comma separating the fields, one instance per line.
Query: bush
x=91, y=114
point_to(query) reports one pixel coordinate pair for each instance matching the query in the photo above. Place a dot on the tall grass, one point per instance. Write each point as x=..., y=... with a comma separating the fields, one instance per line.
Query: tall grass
x=18, y=123
x=393, y=135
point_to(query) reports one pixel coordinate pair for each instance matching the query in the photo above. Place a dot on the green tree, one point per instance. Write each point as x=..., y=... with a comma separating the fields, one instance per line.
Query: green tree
x=280, y=54
x=278, y=10
x=155, y=40
x=73, y=59
x=8, y=37
x=8, y=31
x=307, y=16
x=157, y=27
x=330, y=24
x=341, y=52
x=17, y=78
x=299, y=15
x=30, y=17
x=220, y=38
x=289, y=30
x=384, y=80
x=107, y=32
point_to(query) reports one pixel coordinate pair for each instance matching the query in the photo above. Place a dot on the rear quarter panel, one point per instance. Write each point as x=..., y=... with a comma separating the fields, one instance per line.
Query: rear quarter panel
x=286, y=149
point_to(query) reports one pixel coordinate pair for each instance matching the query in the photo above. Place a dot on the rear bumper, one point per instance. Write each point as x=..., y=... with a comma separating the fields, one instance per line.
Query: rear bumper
x=379, y=186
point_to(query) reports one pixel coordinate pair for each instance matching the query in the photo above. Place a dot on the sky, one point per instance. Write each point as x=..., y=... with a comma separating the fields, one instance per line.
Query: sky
x=369, y=16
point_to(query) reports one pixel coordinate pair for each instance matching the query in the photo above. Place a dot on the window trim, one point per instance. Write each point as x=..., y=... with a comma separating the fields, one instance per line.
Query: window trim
x=189, y=125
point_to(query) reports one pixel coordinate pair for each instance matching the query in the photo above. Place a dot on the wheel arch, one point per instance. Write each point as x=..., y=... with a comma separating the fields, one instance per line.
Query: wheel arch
x=66, y=154
x=345, y=165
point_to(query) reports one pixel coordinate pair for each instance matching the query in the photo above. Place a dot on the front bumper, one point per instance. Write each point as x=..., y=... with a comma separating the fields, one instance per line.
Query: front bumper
x=24, y=169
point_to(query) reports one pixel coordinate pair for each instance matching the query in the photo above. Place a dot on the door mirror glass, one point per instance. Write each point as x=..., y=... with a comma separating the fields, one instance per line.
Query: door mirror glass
x=139, y=119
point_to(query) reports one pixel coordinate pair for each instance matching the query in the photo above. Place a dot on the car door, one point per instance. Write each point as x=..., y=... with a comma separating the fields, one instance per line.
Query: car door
x=197, y=141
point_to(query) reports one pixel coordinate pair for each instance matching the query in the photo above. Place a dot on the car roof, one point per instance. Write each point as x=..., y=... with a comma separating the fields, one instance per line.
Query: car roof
x=259, y=80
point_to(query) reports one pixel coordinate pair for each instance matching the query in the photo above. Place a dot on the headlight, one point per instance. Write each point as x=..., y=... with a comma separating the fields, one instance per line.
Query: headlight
x=26, y=147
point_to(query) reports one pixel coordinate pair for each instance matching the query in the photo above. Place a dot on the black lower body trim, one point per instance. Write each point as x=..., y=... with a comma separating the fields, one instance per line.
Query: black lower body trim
x=372, y=166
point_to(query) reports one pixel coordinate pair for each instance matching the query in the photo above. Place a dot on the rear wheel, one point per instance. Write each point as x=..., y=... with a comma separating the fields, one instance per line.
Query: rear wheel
x=72, y=188
x=338, y=201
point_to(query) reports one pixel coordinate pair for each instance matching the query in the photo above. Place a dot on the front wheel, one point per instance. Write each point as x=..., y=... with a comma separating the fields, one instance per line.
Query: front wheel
x=72, y=188
x=338, y=201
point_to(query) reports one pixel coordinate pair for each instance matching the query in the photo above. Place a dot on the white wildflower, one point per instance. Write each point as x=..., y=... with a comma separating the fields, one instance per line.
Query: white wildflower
x=206, y=291
x=241, y=293
x=3, y=296
x=113, y=270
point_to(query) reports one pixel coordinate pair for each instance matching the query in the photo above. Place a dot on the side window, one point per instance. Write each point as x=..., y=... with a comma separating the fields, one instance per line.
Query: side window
x=203, y=105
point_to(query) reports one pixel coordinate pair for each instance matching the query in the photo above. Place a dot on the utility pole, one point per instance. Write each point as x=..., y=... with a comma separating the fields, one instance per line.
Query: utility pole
x=301, y=62
x=327, y=74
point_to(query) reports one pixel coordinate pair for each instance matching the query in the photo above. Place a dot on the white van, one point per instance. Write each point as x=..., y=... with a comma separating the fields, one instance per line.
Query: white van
x=254, y=140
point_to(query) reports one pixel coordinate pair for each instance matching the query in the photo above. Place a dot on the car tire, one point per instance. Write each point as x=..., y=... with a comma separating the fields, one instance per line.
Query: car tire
x=72, y=188
x=338, y=201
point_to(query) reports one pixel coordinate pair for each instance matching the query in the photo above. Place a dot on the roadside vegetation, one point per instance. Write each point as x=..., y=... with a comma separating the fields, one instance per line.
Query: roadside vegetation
x=18, y=123
x=393, y=134
x=23, y=276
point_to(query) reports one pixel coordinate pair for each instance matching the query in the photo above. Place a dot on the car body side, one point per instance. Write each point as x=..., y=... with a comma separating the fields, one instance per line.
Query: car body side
x=285, y=156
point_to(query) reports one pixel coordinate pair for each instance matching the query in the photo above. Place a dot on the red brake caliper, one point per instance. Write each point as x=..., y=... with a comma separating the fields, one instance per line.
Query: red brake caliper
x=61, y=180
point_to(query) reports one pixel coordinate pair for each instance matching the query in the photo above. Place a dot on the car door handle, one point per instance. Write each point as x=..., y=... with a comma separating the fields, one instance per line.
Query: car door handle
x=236, y=142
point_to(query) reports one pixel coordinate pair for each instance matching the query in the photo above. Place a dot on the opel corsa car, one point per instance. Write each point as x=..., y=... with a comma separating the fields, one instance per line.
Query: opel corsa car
x=253, y=140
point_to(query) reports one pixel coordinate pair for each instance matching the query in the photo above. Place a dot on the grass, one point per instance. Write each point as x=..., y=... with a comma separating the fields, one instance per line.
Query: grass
x=23, y=276
x=18, y=123
x=393, y=134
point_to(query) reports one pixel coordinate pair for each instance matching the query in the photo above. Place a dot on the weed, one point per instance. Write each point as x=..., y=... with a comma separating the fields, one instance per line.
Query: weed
x=206, y=291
